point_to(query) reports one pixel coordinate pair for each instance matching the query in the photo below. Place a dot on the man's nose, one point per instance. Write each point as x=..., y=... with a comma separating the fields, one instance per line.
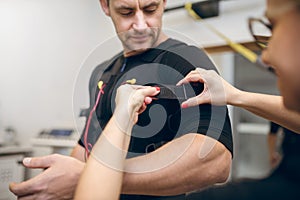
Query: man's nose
x=139, y=21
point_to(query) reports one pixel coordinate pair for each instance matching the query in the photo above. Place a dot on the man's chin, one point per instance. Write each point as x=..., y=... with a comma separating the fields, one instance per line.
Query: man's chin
x=129, y=53
x=138, y=46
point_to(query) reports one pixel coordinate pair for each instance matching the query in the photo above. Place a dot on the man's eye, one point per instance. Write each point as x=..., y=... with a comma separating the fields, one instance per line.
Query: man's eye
x=126, y=12
x=151, y=9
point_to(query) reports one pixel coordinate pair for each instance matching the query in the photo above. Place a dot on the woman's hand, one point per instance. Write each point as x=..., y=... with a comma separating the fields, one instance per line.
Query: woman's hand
x=216, y=90
x=131, y=100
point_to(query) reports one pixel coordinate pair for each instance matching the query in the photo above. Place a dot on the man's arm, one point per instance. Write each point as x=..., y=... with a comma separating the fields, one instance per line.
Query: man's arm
x=189, y=172
x=188, y=163
x=175, y=168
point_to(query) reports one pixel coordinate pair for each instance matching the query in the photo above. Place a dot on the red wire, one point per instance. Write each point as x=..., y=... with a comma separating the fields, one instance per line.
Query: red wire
x=86, y=144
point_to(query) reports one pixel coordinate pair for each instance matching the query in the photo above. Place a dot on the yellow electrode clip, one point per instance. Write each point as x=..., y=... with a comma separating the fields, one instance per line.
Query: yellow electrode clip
x=131, y=81
x=100, y=84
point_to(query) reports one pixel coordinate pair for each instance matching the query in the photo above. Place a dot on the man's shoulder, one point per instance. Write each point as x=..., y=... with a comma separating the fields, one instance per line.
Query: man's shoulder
x=105, y=64
x=191, y=53
x=101, y=68
x=174, y=44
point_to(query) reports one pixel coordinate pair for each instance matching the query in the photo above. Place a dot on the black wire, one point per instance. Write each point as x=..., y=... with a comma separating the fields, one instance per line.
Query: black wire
x=174, y=8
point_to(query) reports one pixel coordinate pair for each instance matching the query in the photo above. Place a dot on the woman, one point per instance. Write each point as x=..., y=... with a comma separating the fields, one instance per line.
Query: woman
x=281, y=54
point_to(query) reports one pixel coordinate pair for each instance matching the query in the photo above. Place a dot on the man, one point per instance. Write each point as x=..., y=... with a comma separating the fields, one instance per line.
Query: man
x=173, y=160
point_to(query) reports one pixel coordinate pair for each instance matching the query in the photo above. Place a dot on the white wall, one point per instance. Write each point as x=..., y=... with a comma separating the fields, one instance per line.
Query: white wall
x=232, y=21
x=43, y=44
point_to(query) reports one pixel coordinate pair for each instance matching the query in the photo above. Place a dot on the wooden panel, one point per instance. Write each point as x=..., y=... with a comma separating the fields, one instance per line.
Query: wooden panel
x=225, y=48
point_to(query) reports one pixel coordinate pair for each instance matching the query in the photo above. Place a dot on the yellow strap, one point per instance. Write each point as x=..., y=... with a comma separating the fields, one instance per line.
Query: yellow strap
x=247, y=53
x=188, y=7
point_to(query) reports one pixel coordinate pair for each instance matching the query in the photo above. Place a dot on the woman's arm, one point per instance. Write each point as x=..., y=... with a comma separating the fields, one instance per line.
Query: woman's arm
x=217, y=91
x=104, y=168
x=269, y=107
x=103, y=173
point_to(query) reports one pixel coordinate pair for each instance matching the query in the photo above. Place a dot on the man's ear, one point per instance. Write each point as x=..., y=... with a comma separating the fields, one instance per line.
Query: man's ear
x=105, y=7
x=165, y=3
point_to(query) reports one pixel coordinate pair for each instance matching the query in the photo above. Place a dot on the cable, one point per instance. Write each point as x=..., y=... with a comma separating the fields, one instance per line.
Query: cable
x=101, y=86
x=245, y=52
x=88, y=145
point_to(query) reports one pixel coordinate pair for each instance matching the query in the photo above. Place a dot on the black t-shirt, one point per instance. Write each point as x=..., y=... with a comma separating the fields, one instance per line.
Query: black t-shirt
x=291, y=140
x=163, y=120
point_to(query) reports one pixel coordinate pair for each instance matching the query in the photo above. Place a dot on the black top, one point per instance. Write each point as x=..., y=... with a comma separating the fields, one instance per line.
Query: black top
x=164, y=65
x=291, y=140
x=163, y=120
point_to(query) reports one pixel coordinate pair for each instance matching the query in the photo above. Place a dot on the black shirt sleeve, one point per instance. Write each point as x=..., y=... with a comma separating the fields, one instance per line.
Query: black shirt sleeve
x=274, y=128
x=212, y=121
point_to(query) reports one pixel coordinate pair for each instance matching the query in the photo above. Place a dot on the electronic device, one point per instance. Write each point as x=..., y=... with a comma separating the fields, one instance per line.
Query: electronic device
x=204, y=9
x=56, y=138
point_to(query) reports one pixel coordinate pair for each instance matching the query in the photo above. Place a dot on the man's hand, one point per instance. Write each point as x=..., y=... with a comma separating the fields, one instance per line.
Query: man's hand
x=58, y=181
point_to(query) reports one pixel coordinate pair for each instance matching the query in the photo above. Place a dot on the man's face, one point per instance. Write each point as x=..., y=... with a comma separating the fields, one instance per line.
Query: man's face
x=283, y=50
x=137, y=22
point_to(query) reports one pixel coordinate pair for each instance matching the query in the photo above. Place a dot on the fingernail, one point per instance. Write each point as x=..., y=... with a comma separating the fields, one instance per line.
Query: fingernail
x=184, y=105
x=157, y=88
x=26, y=161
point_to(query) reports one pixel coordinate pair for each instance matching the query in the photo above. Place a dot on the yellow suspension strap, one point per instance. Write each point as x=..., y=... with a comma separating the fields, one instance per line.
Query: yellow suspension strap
x=247, y=53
